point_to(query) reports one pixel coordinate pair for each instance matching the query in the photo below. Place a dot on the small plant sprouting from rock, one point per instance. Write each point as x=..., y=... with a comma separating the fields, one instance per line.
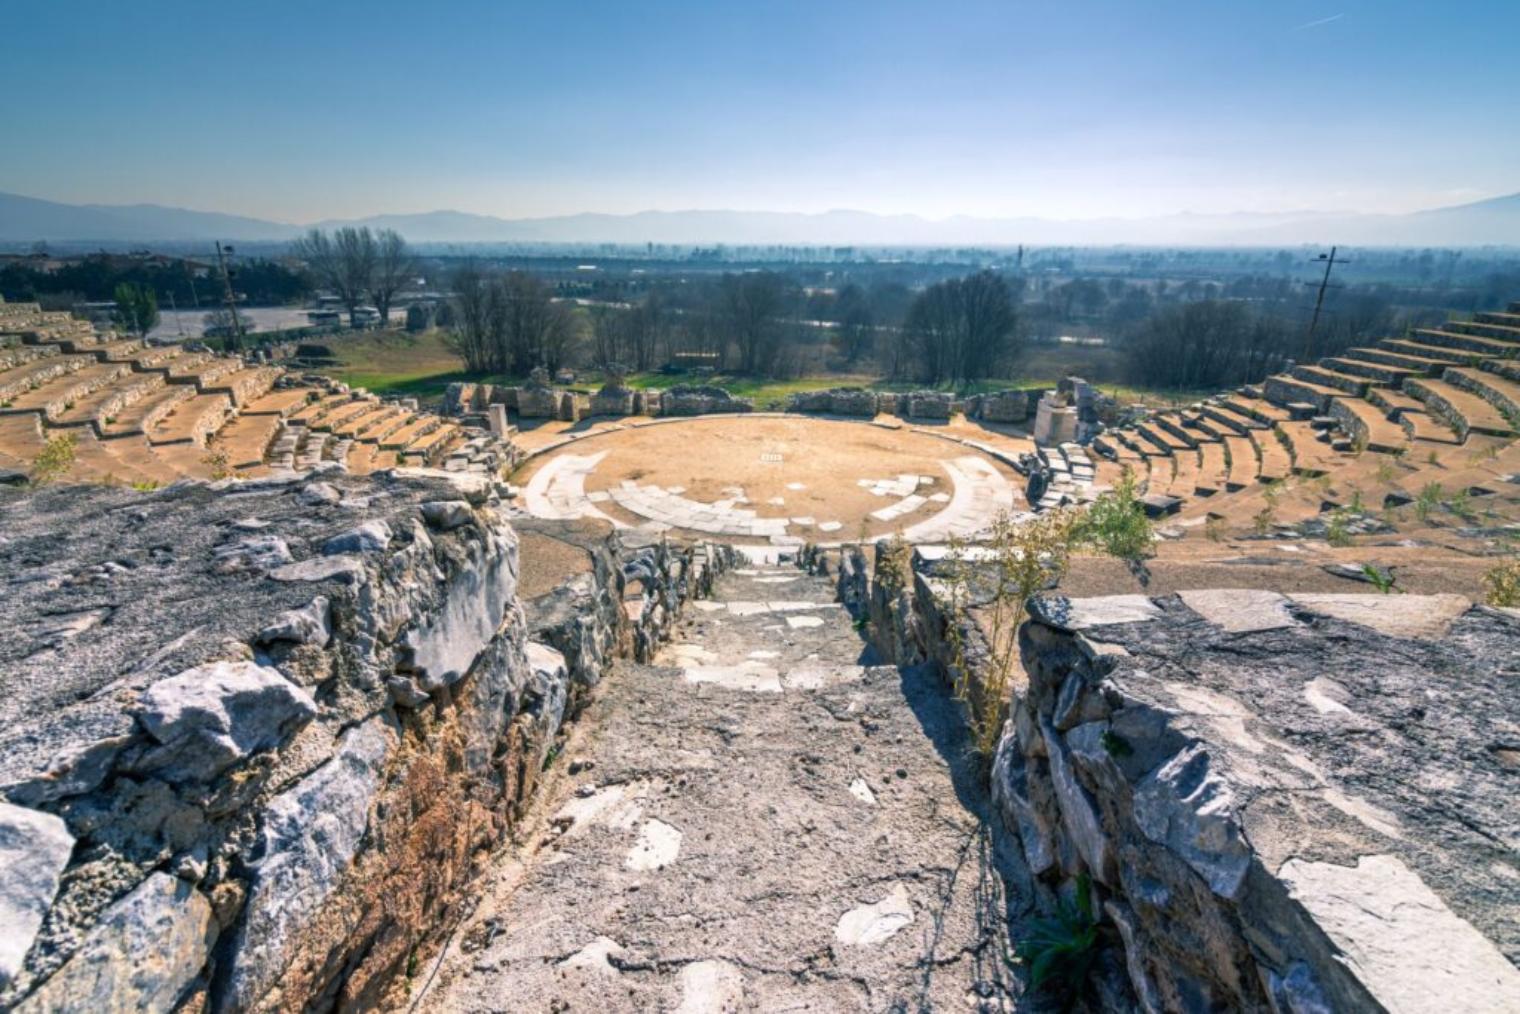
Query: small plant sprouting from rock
x=894, y=566
x=218, y=465
x=1502, y=584
x=1115, y=744
x=54, y=460
x=1460, y=504
x=1116, y=522
x=1060, y=950
x=1338, y=530
x=1022, y=559
x=1380, y=579
x=1429, y=497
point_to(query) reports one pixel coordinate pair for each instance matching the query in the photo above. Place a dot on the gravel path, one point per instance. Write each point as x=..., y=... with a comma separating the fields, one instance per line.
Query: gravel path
x=763, y=821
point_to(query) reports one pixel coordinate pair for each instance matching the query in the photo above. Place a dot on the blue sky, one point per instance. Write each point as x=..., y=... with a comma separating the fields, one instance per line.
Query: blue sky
x=1071, y=108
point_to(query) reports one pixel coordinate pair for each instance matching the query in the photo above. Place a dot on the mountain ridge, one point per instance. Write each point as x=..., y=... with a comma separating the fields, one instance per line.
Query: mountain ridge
x=1494, y=221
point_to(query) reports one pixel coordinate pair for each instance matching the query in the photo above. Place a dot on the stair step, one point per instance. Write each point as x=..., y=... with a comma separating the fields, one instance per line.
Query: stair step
x=1331, y=379
x=1283, y=389
x=192, y=421
x=1499, y=391
x=1427, y=351
x=59, y=395
x=1382, y=374
x=135, y=418
x=1467, y=342
x=100, y=407
x=1409, y=363
x=1213, y=470
x=20, y=379
x=1394, y=403
x=1464, y=411
x=1424, y=426
x=1368, y=425
x=1275, y=462
x=1497, y=332
x=1244, y=464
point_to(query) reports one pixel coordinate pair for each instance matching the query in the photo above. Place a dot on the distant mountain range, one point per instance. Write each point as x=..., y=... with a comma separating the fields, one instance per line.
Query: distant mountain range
x=1484, y=223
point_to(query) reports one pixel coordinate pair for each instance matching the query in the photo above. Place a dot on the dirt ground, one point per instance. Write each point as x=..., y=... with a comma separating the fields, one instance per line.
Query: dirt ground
x=770, y=457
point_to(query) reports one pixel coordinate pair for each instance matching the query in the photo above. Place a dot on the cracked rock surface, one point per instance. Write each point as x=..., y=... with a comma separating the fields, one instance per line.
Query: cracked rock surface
x=760, y=820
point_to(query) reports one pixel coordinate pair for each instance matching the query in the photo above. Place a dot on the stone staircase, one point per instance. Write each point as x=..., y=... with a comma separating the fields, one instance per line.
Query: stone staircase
x=1437, y=387
x=153, y=414
x=762, y=819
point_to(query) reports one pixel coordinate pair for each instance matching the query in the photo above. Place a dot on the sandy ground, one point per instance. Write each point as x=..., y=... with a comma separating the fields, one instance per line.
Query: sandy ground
x=787, y=466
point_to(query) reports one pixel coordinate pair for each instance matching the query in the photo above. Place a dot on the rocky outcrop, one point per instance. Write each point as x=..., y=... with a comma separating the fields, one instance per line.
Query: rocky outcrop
x=1282, y=803
x=1279, y=803
x=258, y=735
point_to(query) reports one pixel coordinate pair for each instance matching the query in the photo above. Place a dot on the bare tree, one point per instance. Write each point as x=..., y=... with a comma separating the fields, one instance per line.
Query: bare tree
x=752, y=302
x=476, y=332
x=509, y=323
x=962, y=328
x=857, y=326
x=394, y=267
x=343, y=262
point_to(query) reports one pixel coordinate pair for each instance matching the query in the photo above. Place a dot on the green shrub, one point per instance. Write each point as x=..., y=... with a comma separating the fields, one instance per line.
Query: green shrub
x=1060, y=950
x=1116, y=522
x=54, y=460
x=1502, y=584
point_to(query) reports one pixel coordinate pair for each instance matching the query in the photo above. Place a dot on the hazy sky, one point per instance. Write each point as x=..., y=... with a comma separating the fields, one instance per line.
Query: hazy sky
x=1069, y=108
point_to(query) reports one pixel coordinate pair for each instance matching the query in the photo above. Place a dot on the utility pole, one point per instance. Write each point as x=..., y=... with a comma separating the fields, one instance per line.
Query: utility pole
x=237, y=322
x=174, y=309
x=1324, y=283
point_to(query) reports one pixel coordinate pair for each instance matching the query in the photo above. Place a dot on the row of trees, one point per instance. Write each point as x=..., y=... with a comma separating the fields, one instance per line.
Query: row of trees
x=508, y=323
x=185, y=284
x=356, y=264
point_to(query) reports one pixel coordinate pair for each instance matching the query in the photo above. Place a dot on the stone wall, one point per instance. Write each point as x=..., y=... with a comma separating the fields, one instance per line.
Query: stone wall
x=925, y=405
x=701, y=400
x=1280, y=803
x=613, y=401
x=1002, y=406
x=257, y=736
x=851, y=401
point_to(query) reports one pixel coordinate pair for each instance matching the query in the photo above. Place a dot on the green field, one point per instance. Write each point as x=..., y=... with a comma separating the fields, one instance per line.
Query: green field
x=421, y=366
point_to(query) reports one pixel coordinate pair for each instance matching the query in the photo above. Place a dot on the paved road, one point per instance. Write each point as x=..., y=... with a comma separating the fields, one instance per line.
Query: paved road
x=762, y=821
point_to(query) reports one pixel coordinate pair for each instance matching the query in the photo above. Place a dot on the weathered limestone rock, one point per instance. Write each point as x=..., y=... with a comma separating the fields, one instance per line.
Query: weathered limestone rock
x=1401, y=940
x=211, y=717
x=370, y=537
x=1191, y=754
x=310, y=836
x=34, y=849
x=311, y=750
x=309, y=625
x=143, y=955
x=447, y=515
